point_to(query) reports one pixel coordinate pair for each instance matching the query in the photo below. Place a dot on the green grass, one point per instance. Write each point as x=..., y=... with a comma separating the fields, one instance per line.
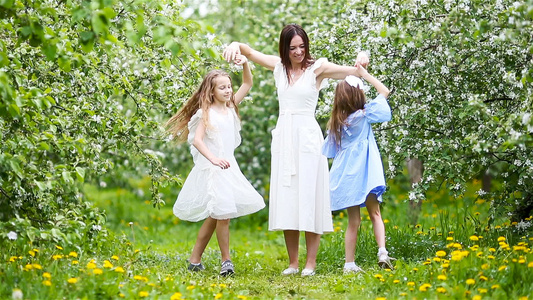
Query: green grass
x=148, y=248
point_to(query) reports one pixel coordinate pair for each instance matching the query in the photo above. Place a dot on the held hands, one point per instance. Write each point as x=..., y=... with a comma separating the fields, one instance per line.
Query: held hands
x=240, y=60
x=222, y=163
x=231, y=52
x=362, y=59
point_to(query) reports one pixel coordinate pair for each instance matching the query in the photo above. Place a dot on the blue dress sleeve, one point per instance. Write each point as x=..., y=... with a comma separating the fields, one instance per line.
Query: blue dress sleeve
x=329, y=148
x=378, y=110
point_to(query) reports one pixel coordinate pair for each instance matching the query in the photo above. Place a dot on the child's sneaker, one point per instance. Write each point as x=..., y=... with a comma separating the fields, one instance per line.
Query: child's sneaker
x=384, y=261
x=353, y=270
x=227, y=268
x=196, y=267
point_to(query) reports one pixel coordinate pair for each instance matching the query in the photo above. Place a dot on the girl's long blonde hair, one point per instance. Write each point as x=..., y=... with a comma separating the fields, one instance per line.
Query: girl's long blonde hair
x=177, y=127
x=348, y=99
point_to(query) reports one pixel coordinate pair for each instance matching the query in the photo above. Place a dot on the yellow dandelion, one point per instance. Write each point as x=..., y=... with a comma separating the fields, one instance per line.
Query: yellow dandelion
x=72, y=280
x=530, y=265
x=424, y=287
x=241, y=297
x=378, y=276
x=143, y=294
x=59, y=247
x=501, y=239
x=47, y=275
x=491, y=257
x=37, y=266
x=403, y=294
x=470, y=281
x=502, y=268
x=121, y=295
x=176, y=296
x=442, y=277
x=441, y=290
x=47, y=282
x=97, y=271
x=381, y=298
x=341, y=215
x=32, y=253
x=410, y=283
x=57, y=256
x=73, y=254
x=445, y=265
x=474, y=238
x=437, y=259
x=75, y=262
x=476, y=297
x=337, y=229
x=108, y=264
x=482, y=290
x=222, y=285
x=521, y=261
x=218, y=296
x=496, y=286
x=114, y=257
x=396, y=281
x=484, y=278
x=441, y=253
x=190, y=287
x=91, y=265
x=28, y=267
x=119, y=270
x=523, y=298
x=449, y=238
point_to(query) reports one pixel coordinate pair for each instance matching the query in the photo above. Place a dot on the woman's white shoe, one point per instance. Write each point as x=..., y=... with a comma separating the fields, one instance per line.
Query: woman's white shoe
x=308, y=272
x=290, y=271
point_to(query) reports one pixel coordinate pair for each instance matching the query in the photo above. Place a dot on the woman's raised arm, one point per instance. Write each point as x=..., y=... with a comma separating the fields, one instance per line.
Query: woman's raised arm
x=235, y=48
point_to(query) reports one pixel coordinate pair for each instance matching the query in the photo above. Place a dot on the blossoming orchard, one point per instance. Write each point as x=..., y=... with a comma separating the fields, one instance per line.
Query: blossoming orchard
x=88, y=177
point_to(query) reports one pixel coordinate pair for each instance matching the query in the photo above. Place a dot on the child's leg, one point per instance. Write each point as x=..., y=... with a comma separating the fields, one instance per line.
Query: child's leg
x=312, y=241
x=223, y=238
x=292, y=238
x=204, y=235
x=350, y=238
x=372, y=205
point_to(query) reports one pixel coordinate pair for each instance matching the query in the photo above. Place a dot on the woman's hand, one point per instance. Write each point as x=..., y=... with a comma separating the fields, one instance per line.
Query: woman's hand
x=240, y=59
x=231, y=51
x=222, y=163
x=362, y=59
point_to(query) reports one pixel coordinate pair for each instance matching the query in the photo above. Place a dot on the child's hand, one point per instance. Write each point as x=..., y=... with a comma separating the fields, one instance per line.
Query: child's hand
x=222, y=163
x=240, y=59
x=361, y=71
x=362, y=59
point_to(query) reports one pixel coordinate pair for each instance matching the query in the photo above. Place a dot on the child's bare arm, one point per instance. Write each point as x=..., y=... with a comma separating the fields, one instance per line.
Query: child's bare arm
x=199, y=144
x=247, y=78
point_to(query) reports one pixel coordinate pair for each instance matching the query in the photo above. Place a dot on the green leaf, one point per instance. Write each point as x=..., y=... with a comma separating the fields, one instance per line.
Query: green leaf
x=80, y=174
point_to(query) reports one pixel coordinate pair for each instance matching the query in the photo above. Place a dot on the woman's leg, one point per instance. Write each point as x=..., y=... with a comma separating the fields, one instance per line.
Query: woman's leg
x=312, y=241
x=292, y=240
x=372, y=205
x=204, y=235
x=350, y=238
x=223, y=238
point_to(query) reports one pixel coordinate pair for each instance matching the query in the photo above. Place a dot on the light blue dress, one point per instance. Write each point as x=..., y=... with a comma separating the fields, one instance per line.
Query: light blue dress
x=357, y=169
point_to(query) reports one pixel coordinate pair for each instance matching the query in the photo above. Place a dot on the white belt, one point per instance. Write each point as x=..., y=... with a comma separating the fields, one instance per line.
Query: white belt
x=287, y=157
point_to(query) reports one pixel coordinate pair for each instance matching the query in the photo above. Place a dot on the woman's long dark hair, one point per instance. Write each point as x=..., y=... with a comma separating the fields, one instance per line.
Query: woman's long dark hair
x=285, y=38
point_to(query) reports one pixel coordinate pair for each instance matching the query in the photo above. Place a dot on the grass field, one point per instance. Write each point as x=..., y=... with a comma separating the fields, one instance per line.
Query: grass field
x=451, y=252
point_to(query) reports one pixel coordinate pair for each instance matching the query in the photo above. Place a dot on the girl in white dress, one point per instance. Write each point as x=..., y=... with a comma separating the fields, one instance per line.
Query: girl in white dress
x=215, y=190
x=299, y=182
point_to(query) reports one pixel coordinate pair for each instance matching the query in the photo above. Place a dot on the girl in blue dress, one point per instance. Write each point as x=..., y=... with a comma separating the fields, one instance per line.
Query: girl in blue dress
x=356, y=175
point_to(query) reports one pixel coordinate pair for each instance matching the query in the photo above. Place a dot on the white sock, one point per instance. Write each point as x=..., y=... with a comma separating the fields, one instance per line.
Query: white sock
x=349, y=265
x=382, y=250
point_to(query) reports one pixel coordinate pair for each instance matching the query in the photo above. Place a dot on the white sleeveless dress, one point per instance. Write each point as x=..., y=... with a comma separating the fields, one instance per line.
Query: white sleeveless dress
x=299, y=183
x=210, y=191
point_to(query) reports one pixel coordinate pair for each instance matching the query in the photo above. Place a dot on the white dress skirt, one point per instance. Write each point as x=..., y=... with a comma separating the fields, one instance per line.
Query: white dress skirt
x=299, y=183
x=210, y=191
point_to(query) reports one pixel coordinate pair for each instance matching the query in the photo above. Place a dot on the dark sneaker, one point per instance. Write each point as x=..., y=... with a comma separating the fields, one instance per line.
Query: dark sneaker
x=227, y=268
x=196, y=267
